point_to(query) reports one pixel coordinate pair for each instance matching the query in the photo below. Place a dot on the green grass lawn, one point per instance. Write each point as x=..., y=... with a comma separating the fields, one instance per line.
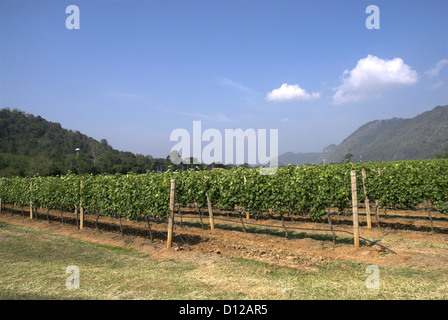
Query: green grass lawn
x=33, y=266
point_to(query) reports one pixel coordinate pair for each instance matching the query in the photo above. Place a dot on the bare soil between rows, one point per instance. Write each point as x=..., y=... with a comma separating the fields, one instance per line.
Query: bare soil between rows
x=401, y=239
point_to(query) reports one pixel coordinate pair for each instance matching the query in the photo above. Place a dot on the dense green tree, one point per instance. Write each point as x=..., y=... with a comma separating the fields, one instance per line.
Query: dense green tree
x=443, y=155
x=348, y=157
x=30, y=145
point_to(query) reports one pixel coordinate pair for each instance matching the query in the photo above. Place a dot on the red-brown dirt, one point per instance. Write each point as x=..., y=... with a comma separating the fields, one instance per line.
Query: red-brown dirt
x=405, y=240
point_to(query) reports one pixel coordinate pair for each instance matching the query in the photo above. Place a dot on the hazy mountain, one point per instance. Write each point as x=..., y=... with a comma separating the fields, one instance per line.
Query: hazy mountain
x=299, y=158
x=421, y=137
x=32, y=145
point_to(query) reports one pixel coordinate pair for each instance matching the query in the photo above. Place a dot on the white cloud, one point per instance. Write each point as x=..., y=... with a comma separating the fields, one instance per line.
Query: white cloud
x=284, y=120
x=436, y=85
x=371, y=76
x=290, y=92
x=236, y=85
x=124, y=95
x=436, y=70
x=217, y=118
x=222, y=118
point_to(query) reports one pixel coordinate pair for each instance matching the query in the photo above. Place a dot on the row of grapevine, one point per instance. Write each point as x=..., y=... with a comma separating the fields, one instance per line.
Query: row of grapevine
x=407, y=184
x=308, y=189
x=305, y=189
x=312, y=189
x=111, y=195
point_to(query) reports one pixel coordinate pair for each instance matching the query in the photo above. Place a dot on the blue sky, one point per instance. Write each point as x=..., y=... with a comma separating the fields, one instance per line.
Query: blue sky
x=136, y=70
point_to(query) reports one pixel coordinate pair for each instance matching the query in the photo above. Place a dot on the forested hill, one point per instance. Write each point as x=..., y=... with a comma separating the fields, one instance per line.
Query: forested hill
x=26, y=134
x=32, y=145
x=421, y=137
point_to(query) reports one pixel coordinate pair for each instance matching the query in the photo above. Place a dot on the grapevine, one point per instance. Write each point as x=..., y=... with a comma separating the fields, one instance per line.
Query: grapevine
x=307, y=189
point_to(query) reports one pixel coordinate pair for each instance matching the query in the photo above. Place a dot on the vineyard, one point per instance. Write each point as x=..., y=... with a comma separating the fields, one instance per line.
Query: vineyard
x=319, y=192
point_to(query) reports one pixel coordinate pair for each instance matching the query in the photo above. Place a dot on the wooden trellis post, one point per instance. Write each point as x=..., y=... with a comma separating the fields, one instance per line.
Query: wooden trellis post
x=247, y=213
x=171, y=215
x=367, y=202
x=210, y=213
x=377, y=203
x=355, y=209
x=81, y=209
x=31, y=201
x=1, y=204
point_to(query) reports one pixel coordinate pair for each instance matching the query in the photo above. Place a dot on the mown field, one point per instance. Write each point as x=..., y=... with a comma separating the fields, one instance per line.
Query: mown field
x=271, y=238
x=35, y=256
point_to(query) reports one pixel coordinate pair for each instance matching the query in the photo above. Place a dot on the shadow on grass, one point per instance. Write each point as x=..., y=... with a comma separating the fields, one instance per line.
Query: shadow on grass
x=89, y=223
x=32, y=296
x=293, y=233
x=384, y=223
x=279, y=232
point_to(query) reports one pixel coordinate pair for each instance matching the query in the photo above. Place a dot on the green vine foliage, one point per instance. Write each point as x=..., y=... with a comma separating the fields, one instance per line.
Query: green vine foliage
x=307, y=189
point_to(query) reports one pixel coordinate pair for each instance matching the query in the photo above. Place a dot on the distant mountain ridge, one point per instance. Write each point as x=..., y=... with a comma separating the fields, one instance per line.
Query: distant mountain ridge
x=299, y=158
x=421, y=137
x=31, y=145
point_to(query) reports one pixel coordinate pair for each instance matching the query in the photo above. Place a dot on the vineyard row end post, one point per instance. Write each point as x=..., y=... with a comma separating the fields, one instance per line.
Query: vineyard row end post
x=171, y=214
x=367, y=201
x=81, y=209
x=355, y=209
x=31, y=201
x=210, y=213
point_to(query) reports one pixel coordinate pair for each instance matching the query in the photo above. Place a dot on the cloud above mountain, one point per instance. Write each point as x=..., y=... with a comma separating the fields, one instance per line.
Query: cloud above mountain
x=437, y=68
x=291, y=92
x=372, y=76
